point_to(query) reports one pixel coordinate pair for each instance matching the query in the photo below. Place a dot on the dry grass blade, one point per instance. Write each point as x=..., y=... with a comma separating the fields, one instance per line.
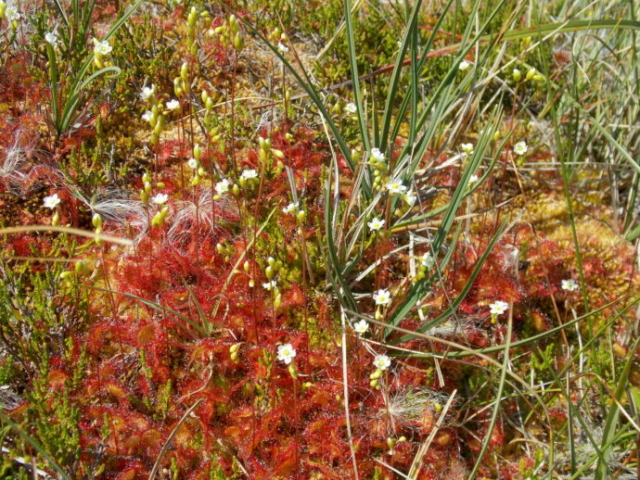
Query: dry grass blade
x=69, y=230
x=174, y=432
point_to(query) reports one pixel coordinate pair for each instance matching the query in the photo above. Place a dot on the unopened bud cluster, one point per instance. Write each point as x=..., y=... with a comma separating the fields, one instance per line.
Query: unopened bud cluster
x=159, y=199
x=229, y=34
x=270, y=158
x=378, y=162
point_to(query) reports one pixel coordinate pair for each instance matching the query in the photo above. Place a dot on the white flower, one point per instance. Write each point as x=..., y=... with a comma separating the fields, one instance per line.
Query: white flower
x=467, y=148
x=350, y=108
x=147, y=92
x=269, y=285
x=12, y=13
x=520, y=148
x=382, y=297
x=410, y=198
x=361, y=327
x=249, y=174
x=377, y=155
x=464, y=65
x=427, y=260
x=291, y=208
x=102, y=47
x=282, y=47
x=222, y=186
x=396, y=186
x=499, y=307
x=192, y=163
x=52, y=201
x=376, y=224
x=474, y=178
x=147, y=116
x=286, y=353
x=570, y=285
x=51, y=38
x=381, y=362
x=173, y=104
x=160, y=198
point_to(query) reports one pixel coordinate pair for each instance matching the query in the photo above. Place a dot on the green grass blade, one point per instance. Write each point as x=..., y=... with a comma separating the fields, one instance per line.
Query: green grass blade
x=36, y=446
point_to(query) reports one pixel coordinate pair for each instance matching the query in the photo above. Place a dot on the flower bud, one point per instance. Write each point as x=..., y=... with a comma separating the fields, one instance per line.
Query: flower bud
x=238, y=42
x=96, y=221
x=184, y=71
x=516, y=75
x=292, y=370
x=530, y=74
x=197, y=152
x=269, y=272
x=65, y=275
x=247, y=266
x=82, y=268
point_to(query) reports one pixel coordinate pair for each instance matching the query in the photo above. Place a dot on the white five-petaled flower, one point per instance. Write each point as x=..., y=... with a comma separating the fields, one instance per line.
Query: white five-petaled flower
x=570, y=285
x=427, y=260
x=173, y=104
x=51, y=38
x=269, y=285
x=396, y=186
x=464, y=66
x=160, y=198
x=102, y=47
x=499, y=307
x=381, y=362
x=291, y=208
x=377, y=155
x=361, y=327
x=350, y=108
x=382, y=297
x=467, y=148
x=192, y=163
x=222, y=186
x=376, y=224
x=147, y=92
x=12, y=13
x=249, y=174
x=286, y=353
x=520, y=148
x=282, y=47
x=147, y=116
x=52, y=201
x=410, y=198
